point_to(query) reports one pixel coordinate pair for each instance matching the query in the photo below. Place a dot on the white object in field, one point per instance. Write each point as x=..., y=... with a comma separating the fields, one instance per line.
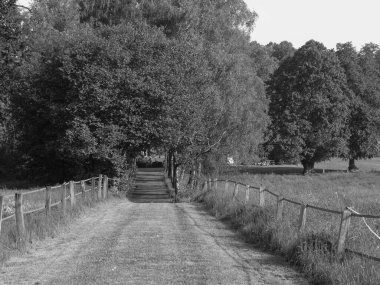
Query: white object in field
x=230, y=160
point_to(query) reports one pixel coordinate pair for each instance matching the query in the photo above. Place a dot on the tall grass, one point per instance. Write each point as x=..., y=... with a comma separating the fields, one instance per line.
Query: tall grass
x=313, y=249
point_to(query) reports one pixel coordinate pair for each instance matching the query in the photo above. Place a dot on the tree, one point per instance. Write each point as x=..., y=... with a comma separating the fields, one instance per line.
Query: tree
x=11, y=54
x=309, y=106
x=97, y=96
x=362, y=142
x=112, y=78
x=371, y=70
x=263, y=62
x=282, y=50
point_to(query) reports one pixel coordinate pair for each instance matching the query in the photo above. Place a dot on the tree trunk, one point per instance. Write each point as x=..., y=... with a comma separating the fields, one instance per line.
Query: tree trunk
x=351, y=165
x=191, y=176
x=175, y=179
x=134, y=164
x=166, y=163
x=182, y=176
x=173, y=168
x=308, y=166
x=198, y=177
x=169, y=164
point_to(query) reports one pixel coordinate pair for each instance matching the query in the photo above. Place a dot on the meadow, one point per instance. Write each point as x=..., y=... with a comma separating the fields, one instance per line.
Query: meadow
x=314, y=249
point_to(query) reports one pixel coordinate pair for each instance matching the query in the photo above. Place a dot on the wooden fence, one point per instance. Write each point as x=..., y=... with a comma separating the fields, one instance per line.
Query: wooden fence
x=65, y=196
x=345, y=216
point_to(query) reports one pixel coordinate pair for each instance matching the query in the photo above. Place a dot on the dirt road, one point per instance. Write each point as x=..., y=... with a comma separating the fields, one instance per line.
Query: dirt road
x=134, y=241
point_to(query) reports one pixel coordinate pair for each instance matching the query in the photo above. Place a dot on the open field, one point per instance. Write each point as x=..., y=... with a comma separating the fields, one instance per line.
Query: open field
x=334, y=190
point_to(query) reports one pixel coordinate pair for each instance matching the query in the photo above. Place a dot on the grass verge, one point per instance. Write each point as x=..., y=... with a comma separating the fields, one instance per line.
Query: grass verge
x=314, y=249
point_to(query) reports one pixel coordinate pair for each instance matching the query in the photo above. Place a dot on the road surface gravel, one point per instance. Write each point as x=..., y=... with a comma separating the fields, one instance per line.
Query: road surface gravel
x=140, y=241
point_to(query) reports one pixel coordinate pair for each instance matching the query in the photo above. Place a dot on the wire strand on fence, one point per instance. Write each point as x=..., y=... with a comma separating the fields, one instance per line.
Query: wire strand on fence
x=324, y=210
x=35, y=210
x=254, y=187
x=365, y=222
x=292, y=202
x=363, y=255
x=56, y=187
x=55, y=204
x=34, y=191
x=270, y=192
x=365, y=216
x=8, y=218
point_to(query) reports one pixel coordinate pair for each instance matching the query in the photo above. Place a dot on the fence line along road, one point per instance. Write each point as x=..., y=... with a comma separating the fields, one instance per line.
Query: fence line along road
x=212, y=184
x=99, y=192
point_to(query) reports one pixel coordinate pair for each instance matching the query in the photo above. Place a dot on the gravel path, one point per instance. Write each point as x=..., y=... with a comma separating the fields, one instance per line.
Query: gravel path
x=130, y=241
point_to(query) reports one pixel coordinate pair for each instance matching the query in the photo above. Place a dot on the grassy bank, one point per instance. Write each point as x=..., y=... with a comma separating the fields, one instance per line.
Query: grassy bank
x=314, y=249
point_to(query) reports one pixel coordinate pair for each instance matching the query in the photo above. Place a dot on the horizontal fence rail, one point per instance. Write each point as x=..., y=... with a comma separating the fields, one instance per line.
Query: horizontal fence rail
x=345, y=216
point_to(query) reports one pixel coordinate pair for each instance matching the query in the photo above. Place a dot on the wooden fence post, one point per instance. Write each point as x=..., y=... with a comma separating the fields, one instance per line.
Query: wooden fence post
x=226, y=186
x=236, y=190
x=204, y=188
x=105, y=187
x=48, y=200
x=100, y=187
x=93, y=188
x=215, y=184
x=247, y=194
x=83, y=189
x=280, y=207
x=302, y=218
x=117, y=182
x=1, y=210
x=19, y=213
x=343, y=230
x=63, y=199
x=72, y=194
x=262, y=196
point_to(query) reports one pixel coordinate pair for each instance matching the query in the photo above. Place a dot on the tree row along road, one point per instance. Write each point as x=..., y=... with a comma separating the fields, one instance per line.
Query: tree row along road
x=135, y=241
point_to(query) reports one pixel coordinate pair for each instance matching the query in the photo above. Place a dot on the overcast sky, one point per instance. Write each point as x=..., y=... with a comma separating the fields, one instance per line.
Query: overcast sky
x=327, y=21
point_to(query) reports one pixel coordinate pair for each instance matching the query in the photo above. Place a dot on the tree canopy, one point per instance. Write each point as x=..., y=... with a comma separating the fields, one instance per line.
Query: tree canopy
x=87, y=86
x=309, y=106
x=364, y=116
x=107, y=80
